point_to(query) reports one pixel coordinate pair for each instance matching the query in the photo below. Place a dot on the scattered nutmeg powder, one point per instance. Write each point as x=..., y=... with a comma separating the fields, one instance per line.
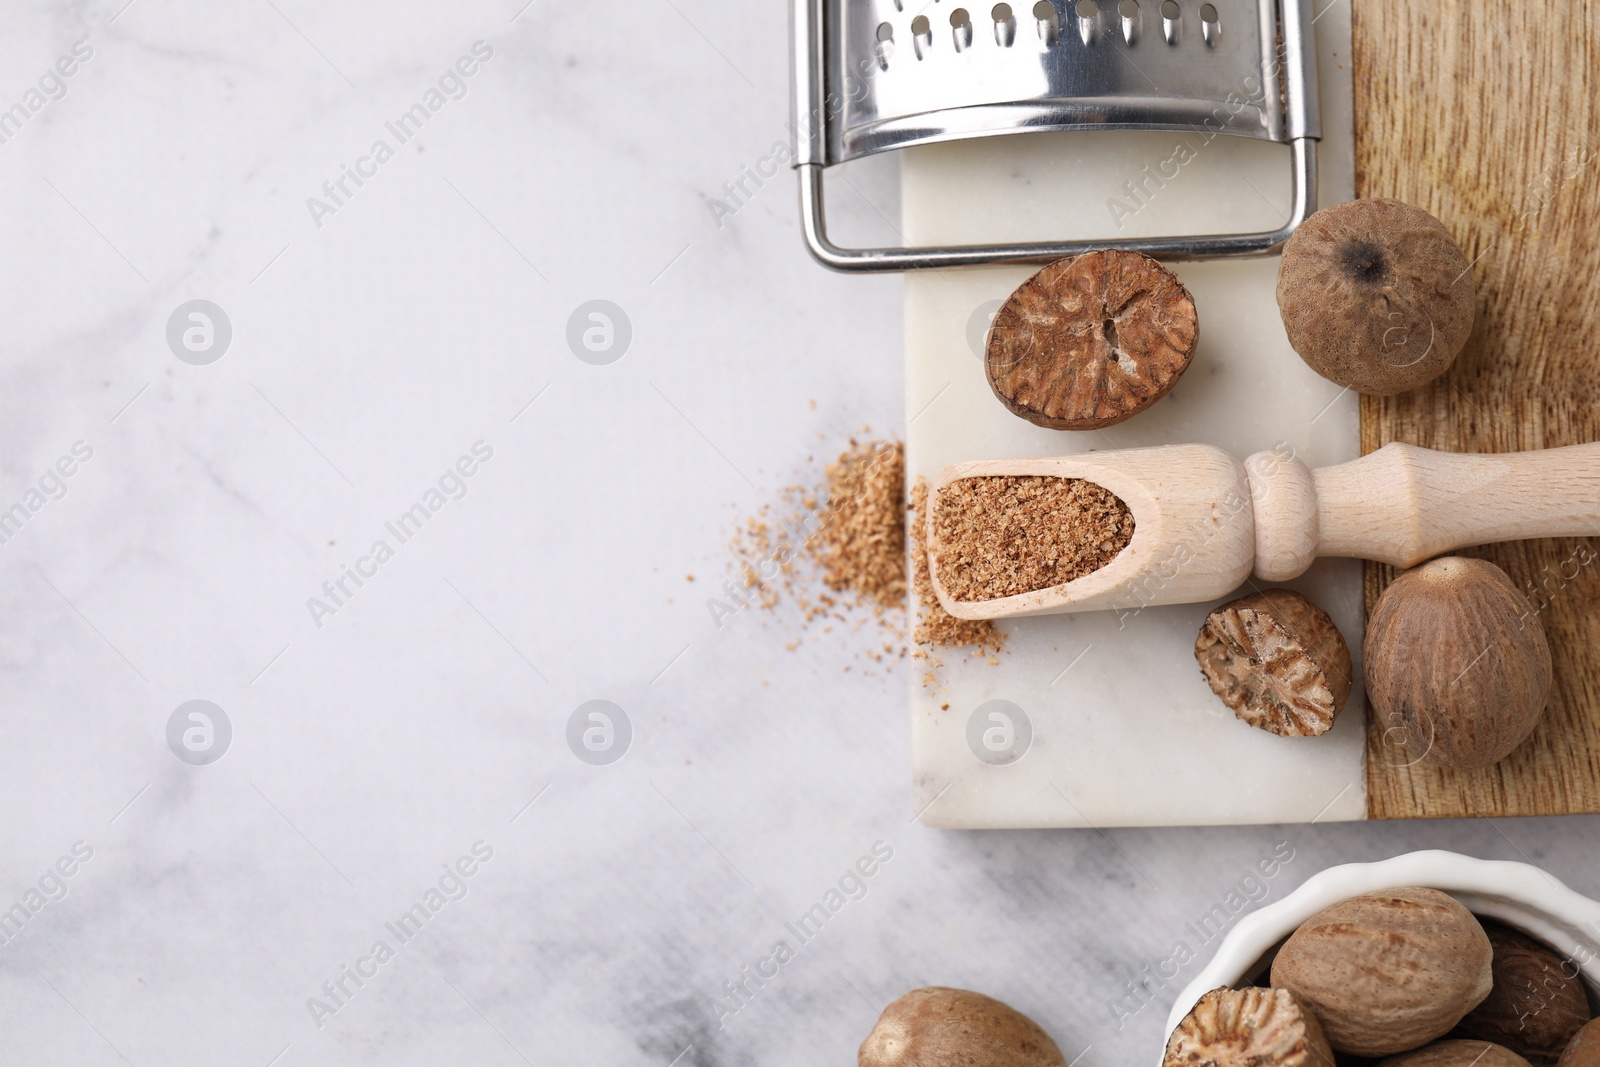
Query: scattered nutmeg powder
x=1000, y=535
x=836, y=552
x=829, y=556
x=862, y=546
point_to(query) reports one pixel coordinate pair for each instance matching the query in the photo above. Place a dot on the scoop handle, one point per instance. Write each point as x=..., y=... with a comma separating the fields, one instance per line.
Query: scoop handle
x=1403, y=504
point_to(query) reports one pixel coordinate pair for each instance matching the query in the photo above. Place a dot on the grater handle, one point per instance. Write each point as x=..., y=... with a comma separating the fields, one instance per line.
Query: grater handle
x=1303, y=151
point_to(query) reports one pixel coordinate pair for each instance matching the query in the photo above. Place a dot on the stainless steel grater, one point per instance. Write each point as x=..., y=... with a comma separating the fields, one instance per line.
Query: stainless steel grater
x=875, y=75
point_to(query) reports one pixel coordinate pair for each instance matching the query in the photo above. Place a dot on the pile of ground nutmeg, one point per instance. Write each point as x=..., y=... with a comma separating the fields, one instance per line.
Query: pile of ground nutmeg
x=830, y=555
x=1001, y=535
x=837, y=552
x=861, y=547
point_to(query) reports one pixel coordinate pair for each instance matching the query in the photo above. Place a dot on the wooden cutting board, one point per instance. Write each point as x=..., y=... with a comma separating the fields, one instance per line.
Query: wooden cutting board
x=1489, y=117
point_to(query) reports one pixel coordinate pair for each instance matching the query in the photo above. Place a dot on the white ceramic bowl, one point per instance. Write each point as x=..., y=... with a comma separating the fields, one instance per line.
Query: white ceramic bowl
x=1515, y=893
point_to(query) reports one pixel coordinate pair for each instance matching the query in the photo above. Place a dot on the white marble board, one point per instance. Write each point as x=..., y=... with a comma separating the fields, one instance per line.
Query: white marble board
x=1124, y=730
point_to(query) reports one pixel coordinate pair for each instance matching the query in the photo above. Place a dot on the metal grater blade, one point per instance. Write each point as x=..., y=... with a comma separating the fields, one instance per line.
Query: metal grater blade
x=875, y=75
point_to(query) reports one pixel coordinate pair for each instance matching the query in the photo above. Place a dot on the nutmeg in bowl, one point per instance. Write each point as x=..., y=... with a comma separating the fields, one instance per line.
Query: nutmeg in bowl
x=1518, y=895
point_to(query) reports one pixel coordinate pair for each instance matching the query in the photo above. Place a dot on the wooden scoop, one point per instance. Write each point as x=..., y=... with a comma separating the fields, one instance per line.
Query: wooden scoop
x=1203, y=520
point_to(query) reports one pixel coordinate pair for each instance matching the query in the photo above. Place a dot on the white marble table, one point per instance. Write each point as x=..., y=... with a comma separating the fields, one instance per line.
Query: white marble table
x=413, y=728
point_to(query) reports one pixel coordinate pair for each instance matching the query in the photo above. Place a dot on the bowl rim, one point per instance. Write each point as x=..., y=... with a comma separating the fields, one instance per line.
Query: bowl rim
x=1518, y=894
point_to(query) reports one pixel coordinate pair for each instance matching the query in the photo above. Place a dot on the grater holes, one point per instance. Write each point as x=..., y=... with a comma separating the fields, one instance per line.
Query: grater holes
x=961, y=28
x=1128, y=17
x=921, y=36
x=1210, y=24
x=1170, y=13
x=1048, y=22
x=885, y=47
x=1088, y=13
x=1005, y=25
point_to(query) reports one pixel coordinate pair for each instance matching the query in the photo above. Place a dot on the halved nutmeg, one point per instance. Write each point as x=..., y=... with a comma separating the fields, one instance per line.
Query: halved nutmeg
x=1278, y=661
x=1249, y=1028
x=1090, y=341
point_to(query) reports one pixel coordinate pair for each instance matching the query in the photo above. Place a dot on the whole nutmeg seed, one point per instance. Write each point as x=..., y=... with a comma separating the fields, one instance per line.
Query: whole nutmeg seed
x=1090, y=341
x=1278, y=661
x=1375, y=295
x=1458, y=1054
x=942, y=1027
x=1584, y=1049
x=1249, y=1028
x=1538, y=1002
x=1457, y=666
x=1388, y=971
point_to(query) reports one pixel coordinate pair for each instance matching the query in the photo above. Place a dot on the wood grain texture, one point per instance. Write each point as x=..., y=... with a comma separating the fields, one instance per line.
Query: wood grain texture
x=1489, y=117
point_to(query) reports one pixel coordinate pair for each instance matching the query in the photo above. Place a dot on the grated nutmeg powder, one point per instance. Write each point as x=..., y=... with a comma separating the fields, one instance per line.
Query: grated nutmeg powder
x=1001, y=535
x=840, y=546
x=862, y=546
x=834, y=550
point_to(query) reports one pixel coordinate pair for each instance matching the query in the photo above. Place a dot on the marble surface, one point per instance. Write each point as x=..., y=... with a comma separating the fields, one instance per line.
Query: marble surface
x=1098, y=716
x=420, y=732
